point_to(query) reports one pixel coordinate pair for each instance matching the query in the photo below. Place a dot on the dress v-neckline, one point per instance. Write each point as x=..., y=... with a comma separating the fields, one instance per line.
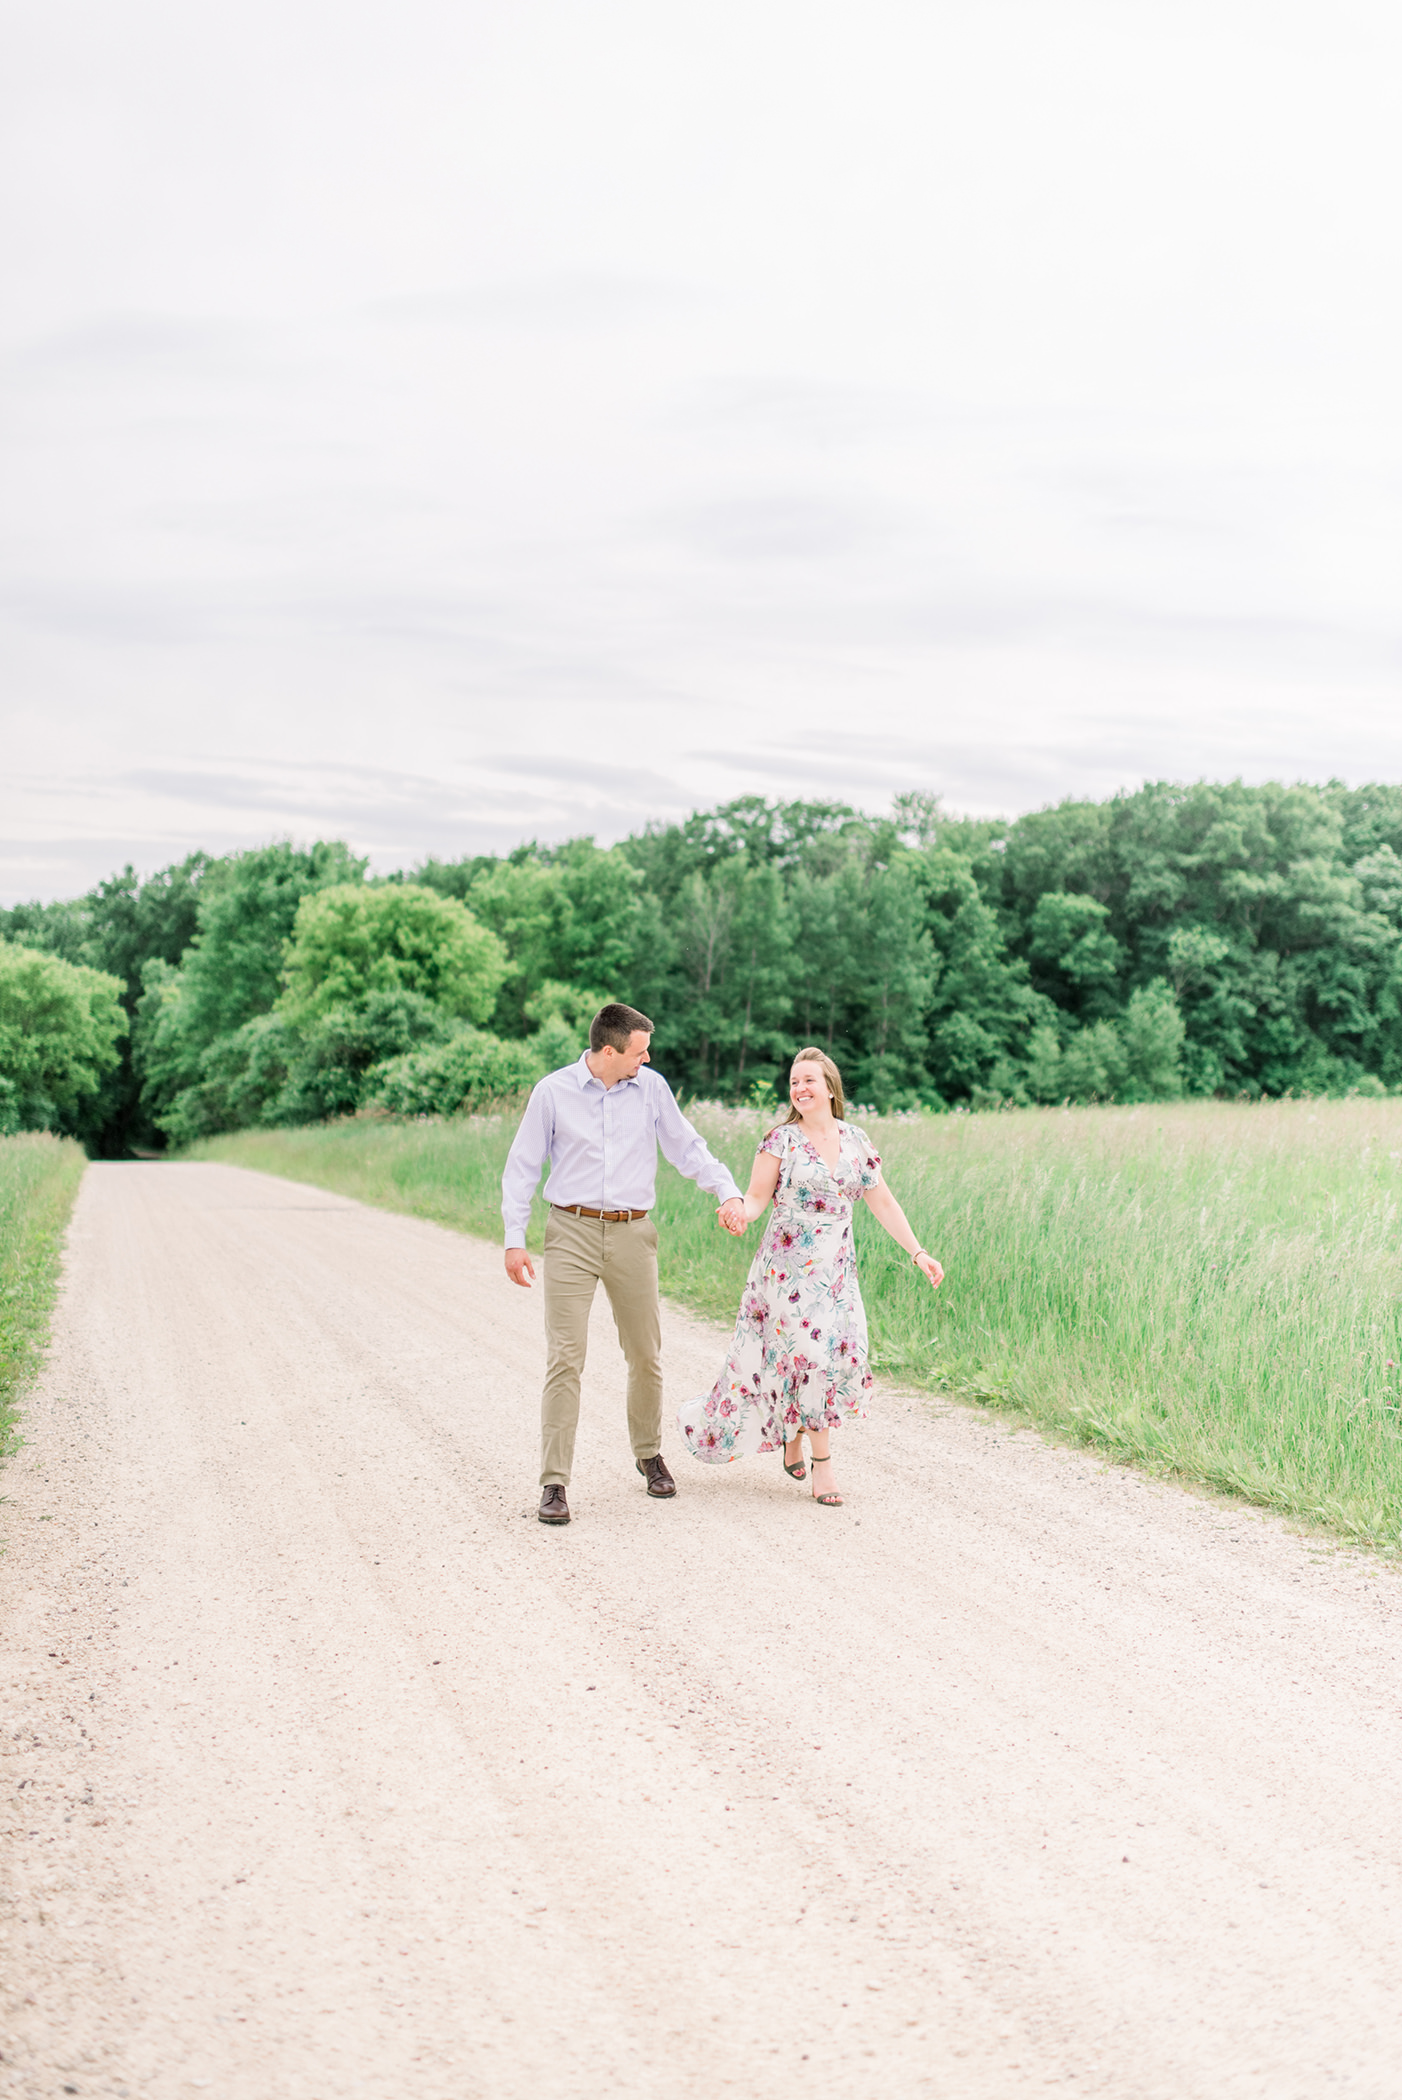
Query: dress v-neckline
x=831, y=1165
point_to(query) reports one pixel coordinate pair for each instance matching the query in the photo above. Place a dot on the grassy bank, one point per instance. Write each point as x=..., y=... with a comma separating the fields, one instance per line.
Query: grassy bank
x=1210, y=1289
x=39, y=1178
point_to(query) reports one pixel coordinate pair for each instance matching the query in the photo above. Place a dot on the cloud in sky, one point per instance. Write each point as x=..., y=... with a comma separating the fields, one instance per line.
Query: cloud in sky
x=464, y=423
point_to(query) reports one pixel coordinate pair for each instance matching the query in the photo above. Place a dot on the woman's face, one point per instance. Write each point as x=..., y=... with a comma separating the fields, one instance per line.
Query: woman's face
x=808, y=1088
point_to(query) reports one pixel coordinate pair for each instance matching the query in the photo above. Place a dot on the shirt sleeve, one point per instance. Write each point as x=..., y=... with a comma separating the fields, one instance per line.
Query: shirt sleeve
x=687, y=1149
x=529, y=1149
x=868, y=1159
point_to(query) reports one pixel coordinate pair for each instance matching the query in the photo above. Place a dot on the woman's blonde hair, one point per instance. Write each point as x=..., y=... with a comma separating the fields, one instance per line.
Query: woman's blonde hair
x=812, y=1056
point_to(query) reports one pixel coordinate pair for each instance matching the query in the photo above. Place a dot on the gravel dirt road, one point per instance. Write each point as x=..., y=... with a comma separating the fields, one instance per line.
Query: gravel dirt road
x=329, y=1771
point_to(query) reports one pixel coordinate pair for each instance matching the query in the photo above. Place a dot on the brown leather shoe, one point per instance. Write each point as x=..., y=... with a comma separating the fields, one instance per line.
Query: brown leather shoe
x=554, y=1509
x=654, y=1472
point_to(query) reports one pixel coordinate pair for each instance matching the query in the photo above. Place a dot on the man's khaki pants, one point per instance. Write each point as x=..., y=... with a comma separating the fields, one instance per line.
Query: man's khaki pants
x=580, y=1254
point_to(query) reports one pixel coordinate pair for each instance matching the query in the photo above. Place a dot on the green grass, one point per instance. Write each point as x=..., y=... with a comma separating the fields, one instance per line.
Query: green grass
x=39, y=1178
x=448, y=1170
x=1207, y=1289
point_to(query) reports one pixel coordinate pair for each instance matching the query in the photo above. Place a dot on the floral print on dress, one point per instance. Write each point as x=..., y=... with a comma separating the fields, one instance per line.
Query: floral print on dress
x=799, y=1355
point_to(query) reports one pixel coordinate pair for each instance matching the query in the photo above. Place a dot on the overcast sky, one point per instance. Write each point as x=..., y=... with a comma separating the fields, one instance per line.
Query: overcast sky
x=441, y=423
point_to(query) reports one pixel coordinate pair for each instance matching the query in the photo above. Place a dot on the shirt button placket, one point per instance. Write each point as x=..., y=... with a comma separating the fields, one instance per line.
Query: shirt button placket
x=604, y=1106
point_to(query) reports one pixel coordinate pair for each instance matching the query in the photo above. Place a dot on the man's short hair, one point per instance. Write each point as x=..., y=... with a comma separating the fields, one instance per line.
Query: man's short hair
x=612, y=1026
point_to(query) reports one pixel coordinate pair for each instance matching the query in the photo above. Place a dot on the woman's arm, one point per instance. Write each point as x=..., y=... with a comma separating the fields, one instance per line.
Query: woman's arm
x=757, y=1197
x=889, y=1213
x=764, y=1179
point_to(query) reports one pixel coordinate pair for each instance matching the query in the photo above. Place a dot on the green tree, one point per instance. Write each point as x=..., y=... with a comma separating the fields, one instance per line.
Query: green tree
x=61, y=1024
x=829, y=935
x=1056, y=957
x=468, y=1072
x=894, y=987
x=241, y=1078
x=751, y=830
x=60, y=928
x=1152, y=1033
x=331, y=1056
x=247, y=911
x=1093, y=1063
x=118, y=927
x=1076, y=958
x=577, y=916
x=1282, y=981
x=1042, y=1075
x=351, y=942
x=231, y=971
x=452, y=878
x=982, y=1008
x=572, y=1005
x=760, y=974
x=273, y=1071
x=726, y=1009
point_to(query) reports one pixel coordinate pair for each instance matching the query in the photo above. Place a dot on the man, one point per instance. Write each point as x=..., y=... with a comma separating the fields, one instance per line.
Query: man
x=599, y=1123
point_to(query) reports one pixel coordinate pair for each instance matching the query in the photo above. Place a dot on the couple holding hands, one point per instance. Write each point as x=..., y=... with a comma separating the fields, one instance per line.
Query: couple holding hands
x=798, y=1361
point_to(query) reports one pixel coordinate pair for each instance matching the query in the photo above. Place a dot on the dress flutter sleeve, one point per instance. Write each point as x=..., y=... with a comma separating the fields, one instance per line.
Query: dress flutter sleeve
x=777, y=1140
x=868, y=1159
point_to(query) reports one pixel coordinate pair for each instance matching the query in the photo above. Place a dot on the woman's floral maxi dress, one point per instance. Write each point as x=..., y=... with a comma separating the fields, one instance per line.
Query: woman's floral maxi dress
x=799, y=1357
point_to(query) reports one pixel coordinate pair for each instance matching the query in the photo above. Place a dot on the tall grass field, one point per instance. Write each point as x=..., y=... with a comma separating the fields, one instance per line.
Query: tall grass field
x=39, y=1178
x=1208, y=1289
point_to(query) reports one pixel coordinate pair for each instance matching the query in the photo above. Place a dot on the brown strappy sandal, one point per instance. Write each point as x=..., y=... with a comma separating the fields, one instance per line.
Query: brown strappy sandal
x=800, y=1471
x=828, y=1501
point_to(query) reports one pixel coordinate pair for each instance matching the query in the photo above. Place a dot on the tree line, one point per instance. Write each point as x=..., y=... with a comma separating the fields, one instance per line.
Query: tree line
x=1201, y=939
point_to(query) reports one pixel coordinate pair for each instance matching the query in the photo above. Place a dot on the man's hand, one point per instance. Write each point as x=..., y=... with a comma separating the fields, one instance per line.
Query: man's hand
x=732, y=1216
x=518, y=1267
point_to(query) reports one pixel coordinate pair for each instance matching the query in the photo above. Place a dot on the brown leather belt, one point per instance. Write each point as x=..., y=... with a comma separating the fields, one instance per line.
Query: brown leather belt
x=610, y=1217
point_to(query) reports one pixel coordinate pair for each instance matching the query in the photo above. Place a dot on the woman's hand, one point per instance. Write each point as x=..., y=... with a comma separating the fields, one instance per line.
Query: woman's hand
x=928, y=1266
x=732, y=1215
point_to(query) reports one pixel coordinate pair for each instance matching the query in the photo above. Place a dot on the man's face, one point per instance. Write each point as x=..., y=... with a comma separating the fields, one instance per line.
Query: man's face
x=625, y=1063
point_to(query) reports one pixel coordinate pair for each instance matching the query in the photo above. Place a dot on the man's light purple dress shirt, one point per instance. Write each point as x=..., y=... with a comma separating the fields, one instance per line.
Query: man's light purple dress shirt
x=602, y=1143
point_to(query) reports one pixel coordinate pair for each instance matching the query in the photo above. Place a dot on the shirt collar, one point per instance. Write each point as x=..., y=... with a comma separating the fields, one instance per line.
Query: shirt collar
x=583, y=1077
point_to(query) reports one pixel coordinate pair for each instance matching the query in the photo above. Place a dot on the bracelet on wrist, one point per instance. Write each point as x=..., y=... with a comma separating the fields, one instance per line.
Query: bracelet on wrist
x=916, y=1254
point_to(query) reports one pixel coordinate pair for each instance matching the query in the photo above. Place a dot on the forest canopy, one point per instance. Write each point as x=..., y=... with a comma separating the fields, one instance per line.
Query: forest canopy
x=1201, y=939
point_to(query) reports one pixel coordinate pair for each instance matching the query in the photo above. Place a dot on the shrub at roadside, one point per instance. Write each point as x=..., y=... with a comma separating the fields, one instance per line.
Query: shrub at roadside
x=332, y=1060
x=39, y=1176
x=241, y=1076
x=468, y=1072
x=271, y=1071
x=60, y=1029
x=396, y=1053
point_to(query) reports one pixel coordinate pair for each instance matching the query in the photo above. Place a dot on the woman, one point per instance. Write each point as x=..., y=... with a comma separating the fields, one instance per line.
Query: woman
x=798, y=1362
